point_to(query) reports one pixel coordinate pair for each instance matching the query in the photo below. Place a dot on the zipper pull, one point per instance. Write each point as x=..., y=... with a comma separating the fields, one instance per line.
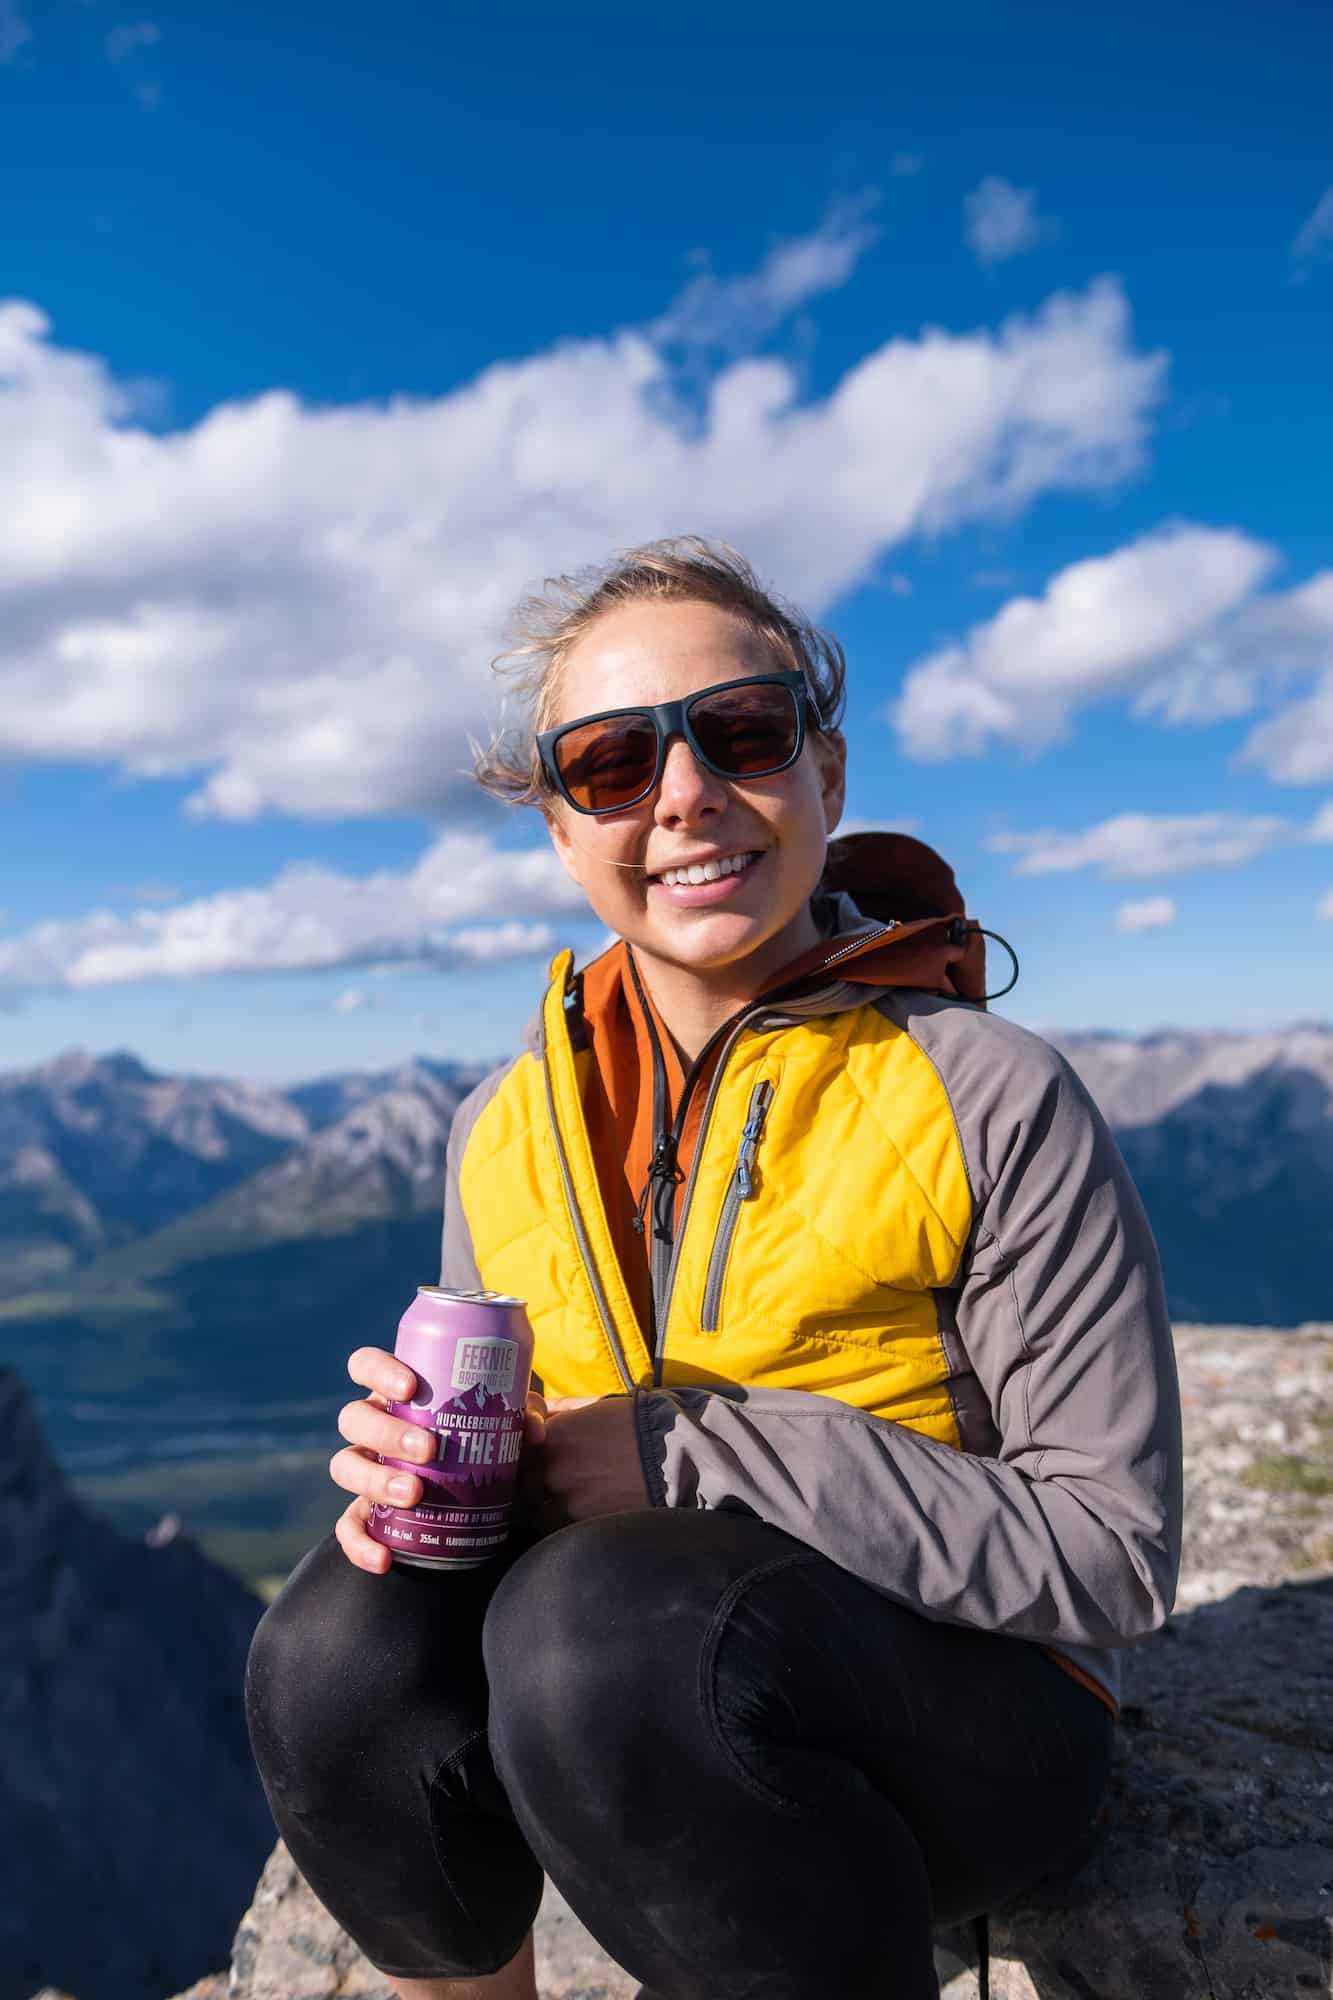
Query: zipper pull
x=661, y=1168
x=750, y=1136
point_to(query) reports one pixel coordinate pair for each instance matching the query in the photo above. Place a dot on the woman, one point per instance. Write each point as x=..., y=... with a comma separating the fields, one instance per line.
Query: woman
x=862, y=1454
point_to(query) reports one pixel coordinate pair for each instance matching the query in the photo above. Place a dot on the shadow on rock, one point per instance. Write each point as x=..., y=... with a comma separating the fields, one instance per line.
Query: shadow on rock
x=1212, y=1873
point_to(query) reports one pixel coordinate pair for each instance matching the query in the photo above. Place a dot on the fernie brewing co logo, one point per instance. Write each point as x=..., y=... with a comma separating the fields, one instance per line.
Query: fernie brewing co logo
x=490, y=1363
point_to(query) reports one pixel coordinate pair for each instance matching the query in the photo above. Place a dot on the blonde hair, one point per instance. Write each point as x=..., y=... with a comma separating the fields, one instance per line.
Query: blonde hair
x=684, y=569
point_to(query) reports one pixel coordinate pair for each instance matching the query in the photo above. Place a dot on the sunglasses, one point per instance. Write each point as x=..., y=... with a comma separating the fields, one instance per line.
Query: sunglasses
x=749, y=728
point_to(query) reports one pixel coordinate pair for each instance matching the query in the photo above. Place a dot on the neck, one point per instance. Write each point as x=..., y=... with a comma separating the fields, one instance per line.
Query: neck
x=694, y=1005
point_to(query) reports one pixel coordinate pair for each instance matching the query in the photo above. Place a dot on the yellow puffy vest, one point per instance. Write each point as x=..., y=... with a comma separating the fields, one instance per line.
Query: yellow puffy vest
x=808, y=1251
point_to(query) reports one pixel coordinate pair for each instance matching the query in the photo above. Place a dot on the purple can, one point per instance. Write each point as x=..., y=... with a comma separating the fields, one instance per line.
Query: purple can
x=471, y=1353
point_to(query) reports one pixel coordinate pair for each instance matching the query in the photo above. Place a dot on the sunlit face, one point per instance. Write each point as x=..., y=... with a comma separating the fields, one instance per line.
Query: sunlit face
x=743, y=927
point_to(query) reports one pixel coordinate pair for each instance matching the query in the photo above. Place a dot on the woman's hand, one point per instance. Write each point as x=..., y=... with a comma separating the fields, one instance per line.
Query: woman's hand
x=588, y=1463
x=370, y=1430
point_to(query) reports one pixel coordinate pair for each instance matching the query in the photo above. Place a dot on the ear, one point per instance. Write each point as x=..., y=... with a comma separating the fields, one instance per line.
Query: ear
x=829, y=748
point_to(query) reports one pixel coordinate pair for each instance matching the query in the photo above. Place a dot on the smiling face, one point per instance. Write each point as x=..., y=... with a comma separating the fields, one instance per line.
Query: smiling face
x=724, y=937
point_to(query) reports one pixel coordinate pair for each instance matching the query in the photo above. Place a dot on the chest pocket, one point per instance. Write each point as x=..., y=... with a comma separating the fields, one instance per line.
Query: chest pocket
x=741, y=1188
x=832, y=1214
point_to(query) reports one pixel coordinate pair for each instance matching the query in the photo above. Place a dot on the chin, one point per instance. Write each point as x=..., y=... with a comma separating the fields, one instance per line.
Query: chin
x=707, y=947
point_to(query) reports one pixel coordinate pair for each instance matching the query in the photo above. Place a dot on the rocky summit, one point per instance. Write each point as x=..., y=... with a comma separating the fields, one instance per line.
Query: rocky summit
x=1211, y=1874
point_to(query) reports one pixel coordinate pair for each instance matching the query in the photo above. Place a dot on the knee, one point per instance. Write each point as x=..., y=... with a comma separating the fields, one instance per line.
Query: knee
x=632, y=1594
x=562, y=1628
x=577, y=1620
x=597, y=1632
x=569, y=1656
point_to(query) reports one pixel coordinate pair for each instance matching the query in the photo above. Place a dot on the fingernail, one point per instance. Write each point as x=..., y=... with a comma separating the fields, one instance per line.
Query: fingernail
x=402, y=1386
x=418, y=1443
x=400, y=1487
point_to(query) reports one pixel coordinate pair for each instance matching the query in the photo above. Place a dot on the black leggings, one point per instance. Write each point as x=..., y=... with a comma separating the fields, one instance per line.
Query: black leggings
x=752, y=1776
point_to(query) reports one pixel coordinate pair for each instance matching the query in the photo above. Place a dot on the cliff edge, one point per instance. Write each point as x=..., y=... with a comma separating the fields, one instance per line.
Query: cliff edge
x=131, y=1817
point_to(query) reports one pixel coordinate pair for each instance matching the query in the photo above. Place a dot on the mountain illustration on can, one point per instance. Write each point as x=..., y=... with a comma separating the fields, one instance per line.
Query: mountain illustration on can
x=471, y=1353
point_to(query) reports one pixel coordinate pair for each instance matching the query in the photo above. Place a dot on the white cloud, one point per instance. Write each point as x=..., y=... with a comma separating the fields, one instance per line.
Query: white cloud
x=463, y=903
x=295, y=607
x=1269, y=644
x=486, y=945
x=730, y=315
x=352, y=999
x=1104, y=626
x=1154, y=913
x=1002, y=220
x=15, y=31
x=1314, y=238
x=122, y=42
x=1321, y=827
x=1138, y=845
x=1295, y=746
x=1174, y=623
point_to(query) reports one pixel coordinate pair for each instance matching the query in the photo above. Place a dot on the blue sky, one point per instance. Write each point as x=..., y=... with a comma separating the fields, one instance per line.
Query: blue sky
x=1001, y=339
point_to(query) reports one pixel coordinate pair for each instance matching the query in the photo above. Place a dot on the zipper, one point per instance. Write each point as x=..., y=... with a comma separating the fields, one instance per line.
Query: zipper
x=858, y=944
x=733, y=1031
x=580, y=1233
x=739, y=1190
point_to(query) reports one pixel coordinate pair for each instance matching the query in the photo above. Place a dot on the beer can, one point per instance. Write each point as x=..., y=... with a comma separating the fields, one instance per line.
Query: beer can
x=471, y=1353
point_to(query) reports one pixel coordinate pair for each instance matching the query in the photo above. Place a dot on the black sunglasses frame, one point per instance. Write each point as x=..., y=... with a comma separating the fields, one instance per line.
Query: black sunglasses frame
x=672, y=718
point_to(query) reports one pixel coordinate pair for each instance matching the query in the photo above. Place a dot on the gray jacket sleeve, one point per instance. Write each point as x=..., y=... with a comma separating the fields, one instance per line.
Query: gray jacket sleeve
x=1070, y=1532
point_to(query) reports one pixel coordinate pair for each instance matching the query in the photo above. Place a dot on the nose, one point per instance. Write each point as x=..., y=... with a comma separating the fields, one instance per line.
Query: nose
x=688, y=791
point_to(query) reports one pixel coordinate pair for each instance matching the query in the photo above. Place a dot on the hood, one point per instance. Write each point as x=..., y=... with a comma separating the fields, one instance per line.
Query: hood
x=893, y=915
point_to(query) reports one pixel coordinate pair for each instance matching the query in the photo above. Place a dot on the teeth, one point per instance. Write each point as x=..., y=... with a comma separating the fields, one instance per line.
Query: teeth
x=706, y=871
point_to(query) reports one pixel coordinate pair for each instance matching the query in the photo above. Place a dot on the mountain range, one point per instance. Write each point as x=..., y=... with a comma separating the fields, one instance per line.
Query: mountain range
x=99, y=1151
x=110, y=1170
x=1229, y=1139
x=185, y=1263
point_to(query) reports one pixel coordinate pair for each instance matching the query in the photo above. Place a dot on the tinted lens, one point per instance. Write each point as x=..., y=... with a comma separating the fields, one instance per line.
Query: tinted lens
x=746, y=731
x=608, y=764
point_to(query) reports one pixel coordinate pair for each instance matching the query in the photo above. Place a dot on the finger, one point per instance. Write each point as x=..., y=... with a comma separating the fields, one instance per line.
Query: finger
x=365, y=1424
x=357, y=1472
x=536, y=1401
x=350, y=1532
x=534, y=1427
x=375, y=1368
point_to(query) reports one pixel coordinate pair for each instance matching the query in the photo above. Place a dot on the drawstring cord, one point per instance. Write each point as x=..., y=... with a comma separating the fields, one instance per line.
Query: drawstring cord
x=663, y=1168
x=959, y=930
